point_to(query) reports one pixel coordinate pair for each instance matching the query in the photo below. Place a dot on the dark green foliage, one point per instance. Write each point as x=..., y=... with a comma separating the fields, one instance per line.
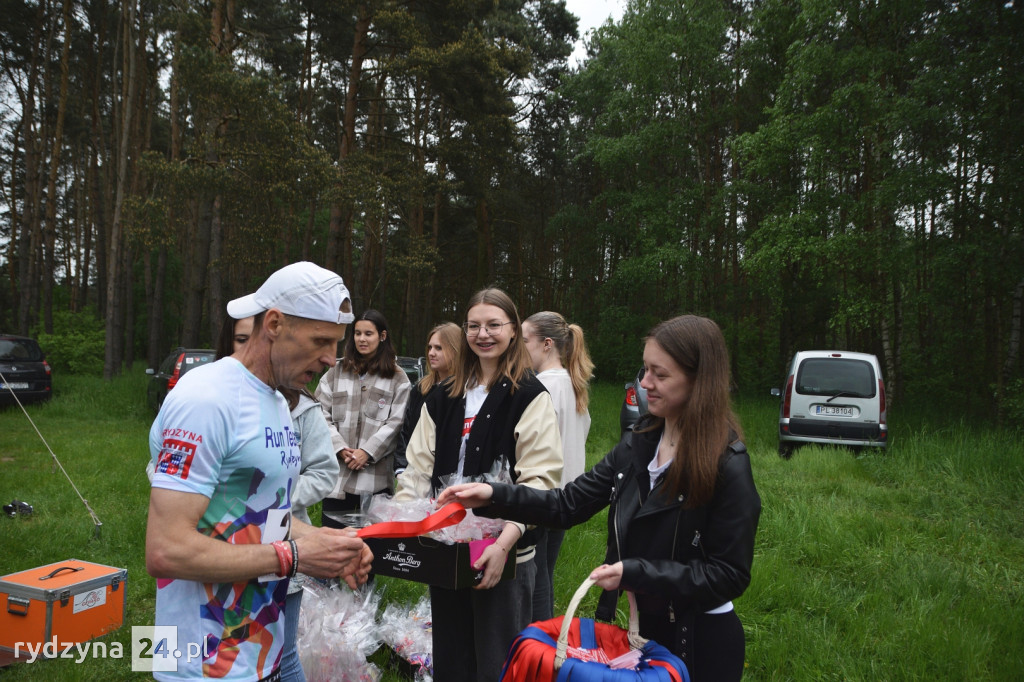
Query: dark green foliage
x=1013, y=405
x=76, y=344
x=826, y=174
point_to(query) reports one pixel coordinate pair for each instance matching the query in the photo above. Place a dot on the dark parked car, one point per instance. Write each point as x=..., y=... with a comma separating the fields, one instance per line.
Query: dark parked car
x=171, y=370
x=635, y=403
x=26, y=374
x=415, y=368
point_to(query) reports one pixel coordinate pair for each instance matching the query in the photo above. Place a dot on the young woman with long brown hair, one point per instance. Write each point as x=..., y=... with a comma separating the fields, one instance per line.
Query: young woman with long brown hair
x=683, y=508
x=442, y=352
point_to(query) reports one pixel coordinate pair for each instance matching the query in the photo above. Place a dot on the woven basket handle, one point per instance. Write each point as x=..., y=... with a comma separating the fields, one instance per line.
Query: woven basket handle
x=635, y=640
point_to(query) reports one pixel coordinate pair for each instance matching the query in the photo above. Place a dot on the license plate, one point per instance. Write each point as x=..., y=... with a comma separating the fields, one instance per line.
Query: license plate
x=833, y=411
x=14, y=385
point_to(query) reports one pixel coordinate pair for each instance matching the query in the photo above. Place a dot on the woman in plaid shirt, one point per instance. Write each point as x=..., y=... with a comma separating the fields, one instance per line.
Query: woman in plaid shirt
x=363, y=399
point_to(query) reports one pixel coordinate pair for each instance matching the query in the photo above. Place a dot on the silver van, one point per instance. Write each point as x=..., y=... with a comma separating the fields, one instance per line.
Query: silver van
x=832, y=397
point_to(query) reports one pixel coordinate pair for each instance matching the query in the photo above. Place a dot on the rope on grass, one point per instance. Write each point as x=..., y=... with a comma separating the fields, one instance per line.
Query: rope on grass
x=56, y=462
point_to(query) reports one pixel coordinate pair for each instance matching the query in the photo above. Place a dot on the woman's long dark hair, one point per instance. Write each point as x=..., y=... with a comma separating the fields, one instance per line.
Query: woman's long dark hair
x=384, y=361
x=226, y=339
x=707, y=424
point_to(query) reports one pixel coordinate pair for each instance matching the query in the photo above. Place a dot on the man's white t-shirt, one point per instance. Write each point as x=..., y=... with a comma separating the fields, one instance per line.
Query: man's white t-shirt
x=224, y=434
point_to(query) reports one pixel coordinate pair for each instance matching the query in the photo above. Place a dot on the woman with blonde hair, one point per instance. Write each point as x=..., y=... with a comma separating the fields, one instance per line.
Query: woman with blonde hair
x=442, y=351
x=492, y=412
x=559, y=356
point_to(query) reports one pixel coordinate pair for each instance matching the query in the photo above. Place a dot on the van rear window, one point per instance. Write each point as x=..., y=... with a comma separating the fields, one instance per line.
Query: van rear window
x=836, y=376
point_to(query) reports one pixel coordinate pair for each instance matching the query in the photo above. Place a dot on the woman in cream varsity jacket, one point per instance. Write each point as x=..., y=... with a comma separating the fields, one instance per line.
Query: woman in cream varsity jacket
x=363, y=398
x=493, y=409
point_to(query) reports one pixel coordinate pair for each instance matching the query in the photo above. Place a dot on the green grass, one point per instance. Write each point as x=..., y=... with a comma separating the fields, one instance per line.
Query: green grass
x=898, y=565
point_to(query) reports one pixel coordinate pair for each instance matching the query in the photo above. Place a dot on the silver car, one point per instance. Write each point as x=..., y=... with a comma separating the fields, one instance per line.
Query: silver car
x=832, y=397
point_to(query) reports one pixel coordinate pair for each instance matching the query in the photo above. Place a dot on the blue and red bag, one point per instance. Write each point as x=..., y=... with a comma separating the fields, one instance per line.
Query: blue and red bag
x=569, y=649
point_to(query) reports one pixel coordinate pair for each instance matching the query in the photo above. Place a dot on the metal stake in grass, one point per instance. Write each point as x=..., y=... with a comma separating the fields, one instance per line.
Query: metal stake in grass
x=56, y=463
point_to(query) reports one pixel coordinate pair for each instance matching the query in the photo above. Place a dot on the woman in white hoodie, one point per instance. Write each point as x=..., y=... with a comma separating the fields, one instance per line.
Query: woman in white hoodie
x=562, y=362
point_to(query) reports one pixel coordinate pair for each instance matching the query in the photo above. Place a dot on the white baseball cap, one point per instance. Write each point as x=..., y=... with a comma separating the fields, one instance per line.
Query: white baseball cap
x=301, y=289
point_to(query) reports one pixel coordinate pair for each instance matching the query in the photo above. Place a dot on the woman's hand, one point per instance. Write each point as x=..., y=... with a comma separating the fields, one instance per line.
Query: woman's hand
x=492, y=561
x=469, y=495
x=354, y=458
x=608, y=576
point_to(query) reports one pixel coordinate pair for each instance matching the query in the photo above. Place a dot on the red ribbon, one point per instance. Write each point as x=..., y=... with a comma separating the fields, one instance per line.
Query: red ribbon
x=448, y=515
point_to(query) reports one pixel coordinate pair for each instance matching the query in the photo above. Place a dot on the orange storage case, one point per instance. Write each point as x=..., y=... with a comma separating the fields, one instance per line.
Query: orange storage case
x=71, y=600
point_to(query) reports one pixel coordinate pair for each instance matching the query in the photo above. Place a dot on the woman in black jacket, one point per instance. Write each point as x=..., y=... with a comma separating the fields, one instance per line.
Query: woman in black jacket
x=442, y=353
x=683, y=505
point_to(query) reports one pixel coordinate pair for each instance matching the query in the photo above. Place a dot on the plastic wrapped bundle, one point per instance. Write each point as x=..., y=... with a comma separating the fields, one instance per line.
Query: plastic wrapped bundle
x=408, y=632
x=337, y=632
x=383, y=508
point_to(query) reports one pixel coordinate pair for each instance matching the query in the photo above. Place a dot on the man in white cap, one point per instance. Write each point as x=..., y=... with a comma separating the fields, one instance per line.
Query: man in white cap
x=220, y=538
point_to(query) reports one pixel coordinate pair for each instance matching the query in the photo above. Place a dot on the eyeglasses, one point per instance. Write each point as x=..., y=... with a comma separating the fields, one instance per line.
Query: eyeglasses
x=493, y=328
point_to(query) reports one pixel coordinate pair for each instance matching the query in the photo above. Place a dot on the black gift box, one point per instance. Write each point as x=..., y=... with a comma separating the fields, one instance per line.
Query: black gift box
x=424, y=560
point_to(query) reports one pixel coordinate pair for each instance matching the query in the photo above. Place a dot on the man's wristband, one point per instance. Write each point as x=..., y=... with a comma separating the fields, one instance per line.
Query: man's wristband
x=295, y=559
x=284, y=557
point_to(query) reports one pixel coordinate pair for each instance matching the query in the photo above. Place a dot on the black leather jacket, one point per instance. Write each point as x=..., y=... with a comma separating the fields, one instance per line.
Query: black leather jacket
x=677, y=561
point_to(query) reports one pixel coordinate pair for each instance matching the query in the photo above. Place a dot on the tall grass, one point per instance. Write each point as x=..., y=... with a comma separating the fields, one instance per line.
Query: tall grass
x=906, y=564
x=898, y=565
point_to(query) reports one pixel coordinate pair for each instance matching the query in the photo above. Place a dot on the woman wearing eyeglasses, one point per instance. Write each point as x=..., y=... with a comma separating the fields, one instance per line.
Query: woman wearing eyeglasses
x=494, y=411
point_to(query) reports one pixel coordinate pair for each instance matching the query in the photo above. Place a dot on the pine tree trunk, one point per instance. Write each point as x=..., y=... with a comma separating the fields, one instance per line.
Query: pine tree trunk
x=28, y=236
x=1013, y=350
x=113, y=356
x=339, y=236
x=50, y=225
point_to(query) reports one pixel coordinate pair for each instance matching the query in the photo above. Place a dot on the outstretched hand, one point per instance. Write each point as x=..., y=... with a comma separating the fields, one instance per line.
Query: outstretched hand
x=469, y=495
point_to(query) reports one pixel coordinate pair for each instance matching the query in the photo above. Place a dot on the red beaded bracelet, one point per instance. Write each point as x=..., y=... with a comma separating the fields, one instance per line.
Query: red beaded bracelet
x=284, y=557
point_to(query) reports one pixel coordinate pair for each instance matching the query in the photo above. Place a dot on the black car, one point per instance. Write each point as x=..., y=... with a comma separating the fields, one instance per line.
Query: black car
x=415, y=368
x=634, y=405
x=24, y=371
x=171, y=370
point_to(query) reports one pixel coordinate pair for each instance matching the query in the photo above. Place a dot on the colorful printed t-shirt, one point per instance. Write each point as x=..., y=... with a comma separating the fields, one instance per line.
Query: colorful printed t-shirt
x=225, y=434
